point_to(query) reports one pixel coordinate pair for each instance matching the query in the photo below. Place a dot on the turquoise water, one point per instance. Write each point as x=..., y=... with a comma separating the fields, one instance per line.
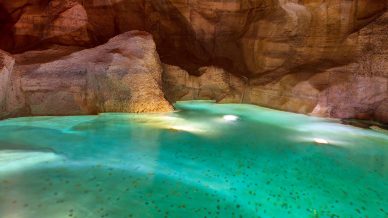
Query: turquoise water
x=196, y=162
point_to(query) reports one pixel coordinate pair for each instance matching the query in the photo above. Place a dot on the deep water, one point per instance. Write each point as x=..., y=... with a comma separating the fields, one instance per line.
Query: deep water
x=191, y=163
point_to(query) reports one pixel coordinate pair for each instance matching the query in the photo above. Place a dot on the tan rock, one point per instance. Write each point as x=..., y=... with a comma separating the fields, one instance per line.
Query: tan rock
x=61, y=22
x=381, y=113
x=253, y=38
x=213, y=84
x=123, y=75
x=6, y=67
x=327, y=58
x=291, y=93
x=355, y=89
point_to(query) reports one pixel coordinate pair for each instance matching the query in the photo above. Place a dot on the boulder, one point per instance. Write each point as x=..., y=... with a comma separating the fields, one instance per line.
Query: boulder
x=123, y=75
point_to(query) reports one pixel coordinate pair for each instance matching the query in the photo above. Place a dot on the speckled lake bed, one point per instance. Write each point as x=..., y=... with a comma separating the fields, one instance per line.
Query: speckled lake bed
x=204, y=160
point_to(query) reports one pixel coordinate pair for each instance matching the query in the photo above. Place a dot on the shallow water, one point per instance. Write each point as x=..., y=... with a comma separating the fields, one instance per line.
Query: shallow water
x=191, y=163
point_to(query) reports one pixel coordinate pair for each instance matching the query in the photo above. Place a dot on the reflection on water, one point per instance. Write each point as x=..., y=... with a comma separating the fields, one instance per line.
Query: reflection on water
x=206, y=160
x=19, y=159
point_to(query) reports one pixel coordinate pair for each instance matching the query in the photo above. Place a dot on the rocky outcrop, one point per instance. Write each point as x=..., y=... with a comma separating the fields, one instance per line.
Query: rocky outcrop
x=213, y=84
x=356, y=89
x=123, y=75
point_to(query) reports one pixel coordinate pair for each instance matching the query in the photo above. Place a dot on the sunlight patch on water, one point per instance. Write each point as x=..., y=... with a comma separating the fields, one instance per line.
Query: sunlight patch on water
x=11, y=160
x=175, y=123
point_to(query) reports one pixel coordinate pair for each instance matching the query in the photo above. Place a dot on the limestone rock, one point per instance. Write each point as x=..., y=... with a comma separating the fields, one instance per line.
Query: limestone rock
x=293, y=93
x=213, y=84
x=381, y=113
x=318, y=57
x=123, y=75
x=57, y=21
x=252, y=38
x=348, y=96
x=355, y=89
x=6, y=67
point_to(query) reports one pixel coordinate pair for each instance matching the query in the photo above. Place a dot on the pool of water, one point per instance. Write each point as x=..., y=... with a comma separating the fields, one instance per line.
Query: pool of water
x=205, y=160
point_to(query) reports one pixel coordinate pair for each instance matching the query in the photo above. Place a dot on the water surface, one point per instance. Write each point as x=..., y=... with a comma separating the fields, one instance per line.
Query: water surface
x=192, y=163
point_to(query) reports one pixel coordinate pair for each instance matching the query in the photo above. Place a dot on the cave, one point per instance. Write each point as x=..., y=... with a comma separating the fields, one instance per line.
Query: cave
x=204, y=108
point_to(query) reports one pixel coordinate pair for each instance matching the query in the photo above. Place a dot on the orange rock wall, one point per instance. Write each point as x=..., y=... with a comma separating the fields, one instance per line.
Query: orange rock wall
x=326, y=57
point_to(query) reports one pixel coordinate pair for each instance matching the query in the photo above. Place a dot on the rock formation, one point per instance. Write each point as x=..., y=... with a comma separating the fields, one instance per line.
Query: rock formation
x=6, y=67
x=252, y=37
x=123, y=75
x=355, y=89
x=213, y=84
x=320, y=57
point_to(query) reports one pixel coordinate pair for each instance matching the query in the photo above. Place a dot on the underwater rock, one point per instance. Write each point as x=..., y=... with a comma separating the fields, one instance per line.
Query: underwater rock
x=123, y=75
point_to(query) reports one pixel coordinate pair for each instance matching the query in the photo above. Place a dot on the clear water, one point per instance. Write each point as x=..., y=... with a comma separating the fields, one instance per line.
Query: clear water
x=191, y=163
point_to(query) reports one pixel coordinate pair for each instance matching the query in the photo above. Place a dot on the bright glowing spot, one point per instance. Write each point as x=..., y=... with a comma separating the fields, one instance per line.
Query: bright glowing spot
x=320, y=141
x=230, y=117
x=186, y=128
x=169, y=118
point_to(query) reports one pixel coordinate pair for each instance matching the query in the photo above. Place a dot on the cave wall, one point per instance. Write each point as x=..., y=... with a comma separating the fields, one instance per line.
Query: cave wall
x=325, y=57
x=255, y=38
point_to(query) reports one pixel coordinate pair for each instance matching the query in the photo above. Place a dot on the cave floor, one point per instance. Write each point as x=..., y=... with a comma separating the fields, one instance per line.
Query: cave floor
x=205, y=160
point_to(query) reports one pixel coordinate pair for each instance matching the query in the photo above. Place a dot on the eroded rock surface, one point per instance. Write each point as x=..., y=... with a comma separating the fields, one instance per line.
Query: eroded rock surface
x=6, y=67
x=327, y=58
x=123, y=75
x=213, y=84
x=255, y=38
x=356, y=89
